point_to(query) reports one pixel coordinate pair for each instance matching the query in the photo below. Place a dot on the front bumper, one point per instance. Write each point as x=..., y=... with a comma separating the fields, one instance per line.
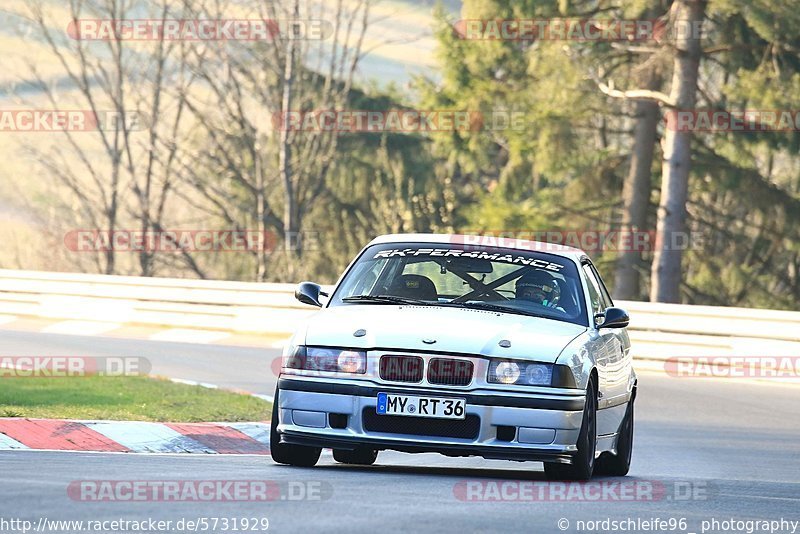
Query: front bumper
x=331, y=414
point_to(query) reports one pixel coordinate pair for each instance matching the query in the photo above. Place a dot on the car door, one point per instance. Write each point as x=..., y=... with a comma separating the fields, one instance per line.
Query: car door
x=616, y=348
x=599, y=344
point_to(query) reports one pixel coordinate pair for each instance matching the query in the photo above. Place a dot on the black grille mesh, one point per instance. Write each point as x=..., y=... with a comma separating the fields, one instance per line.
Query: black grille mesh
x=401, y=368
x=450, y=372
x=418, y=426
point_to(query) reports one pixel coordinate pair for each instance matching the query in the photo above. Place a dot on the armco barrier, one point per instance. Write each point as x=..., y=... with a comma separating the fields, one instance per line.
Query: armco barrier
x=658, y=330
x=209, y=305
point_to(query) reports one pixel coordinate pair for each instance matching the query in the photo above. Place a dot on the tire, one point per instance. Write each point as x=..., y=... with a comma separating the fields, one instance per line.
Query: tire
x=361, y=456
x=583, y=460
x=617, y=465
x=284, y=453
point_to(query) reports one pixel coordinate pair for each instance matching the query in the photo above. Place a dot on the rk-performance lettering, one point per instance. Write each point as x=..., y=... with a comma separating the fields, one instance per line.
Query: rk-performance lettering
x=438, y=252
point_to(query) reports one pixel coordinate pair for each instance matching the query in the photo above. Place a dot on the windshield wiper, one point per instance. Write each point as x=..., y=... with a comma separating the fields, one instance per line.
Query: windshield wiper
x=386, y=299
x=481, y=305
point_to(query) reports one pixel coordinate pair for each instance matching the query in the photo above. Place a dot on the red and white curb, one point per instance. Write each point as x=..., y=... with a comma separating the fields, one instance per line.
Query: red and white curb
x=134, y=436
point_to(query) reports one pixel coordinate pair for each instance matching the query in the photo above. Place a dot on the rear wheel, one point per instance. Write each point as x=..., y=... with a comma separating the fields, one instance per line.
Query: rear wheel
x=583, y=460
x=285, y=453
x=361, y=456
x=617, y=465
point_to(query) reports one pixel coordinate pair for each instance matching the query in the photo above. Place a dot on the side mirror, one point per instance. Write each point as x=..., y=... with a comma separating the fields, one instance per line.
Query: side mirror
x=308, y=293
x=612, y=318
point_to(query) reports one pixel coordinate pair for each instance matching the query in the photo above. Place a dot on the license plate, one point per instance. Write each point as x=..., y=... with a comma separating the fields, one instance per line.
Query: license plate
x=440, y=408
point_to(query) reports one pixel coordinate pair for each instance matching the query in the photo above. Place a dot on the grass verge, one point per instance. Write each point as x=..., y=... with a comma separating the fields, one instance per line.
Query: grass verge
x=125, y=399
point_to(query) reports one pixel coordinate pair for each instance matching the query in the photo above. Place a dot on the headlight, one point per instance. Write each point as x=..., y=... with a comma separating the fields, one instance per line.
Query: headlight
x=325, y=359
x=506, y=373
x=351, y=361
x=520, y=373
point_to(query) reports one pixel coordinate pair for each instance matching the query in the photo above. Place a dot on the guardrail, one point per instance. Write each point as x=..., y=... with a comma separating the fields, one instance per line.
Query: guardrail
x=658, y=330
x=209, y=305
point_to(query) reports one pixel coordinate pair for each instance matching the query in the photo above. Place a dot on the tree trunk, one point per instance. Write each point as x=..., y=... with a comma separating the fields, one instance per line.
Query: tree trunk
x=263, y=226
x=636, y=192
x=111, y=217
x=290, y=224
x=666, y=269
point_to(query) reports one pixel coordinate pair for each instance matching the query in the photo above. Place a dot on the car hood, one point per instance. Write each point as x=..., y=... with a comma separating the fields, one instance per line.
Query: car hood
x=459, y=330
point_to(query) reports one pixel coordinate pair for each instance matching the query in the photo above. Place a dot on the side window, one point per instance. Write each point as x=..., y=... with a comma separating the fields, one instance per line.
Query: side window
x=594, y=290
x=604, y=296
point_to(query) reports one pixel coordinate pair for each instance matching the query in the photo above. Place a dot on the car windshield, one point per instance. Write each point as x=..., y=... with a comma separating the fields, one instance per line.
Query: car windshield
x=505, y=280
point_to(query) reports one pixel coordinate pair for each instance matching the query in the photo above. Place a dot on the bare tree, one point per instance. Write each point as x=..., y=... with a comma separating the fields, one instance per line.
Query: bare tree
x=290, y=222
x=259, y=171
x=135, y=93
x=164, y=102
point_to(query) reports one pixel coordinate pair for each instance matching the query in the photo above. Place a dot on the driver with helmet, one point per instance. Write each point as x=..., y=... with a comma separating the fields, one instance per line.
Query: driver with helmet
x=538, y=287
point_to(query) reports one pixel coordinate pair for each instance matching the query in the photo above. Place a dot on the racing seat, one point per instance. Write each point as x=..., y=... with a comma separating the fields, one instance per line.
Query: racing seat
x=413, y=286
x=568, y=302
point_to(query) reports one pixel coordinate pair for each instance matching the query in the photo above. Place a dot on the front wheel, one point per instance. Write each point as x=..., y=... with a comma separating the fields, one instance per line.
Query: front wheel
x=617, y=465
x=285, y=453
x=582, y=465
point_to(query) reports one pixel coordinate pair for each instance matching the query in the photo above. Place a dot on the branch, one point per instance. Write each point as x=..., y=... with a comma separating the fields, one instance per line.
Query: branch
x=636, y=94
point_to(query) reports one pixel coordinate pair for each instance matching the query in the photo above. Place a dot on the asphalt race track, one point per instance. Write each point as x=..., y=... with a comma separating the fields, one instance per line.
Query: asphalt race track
x=723, y=449
x=244, y=368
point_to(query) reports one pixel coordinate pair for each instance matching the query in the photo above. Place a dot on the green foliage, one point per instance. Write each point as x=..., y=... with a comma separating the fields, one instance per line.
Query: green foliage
x=564, y=169
x=125, y=399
